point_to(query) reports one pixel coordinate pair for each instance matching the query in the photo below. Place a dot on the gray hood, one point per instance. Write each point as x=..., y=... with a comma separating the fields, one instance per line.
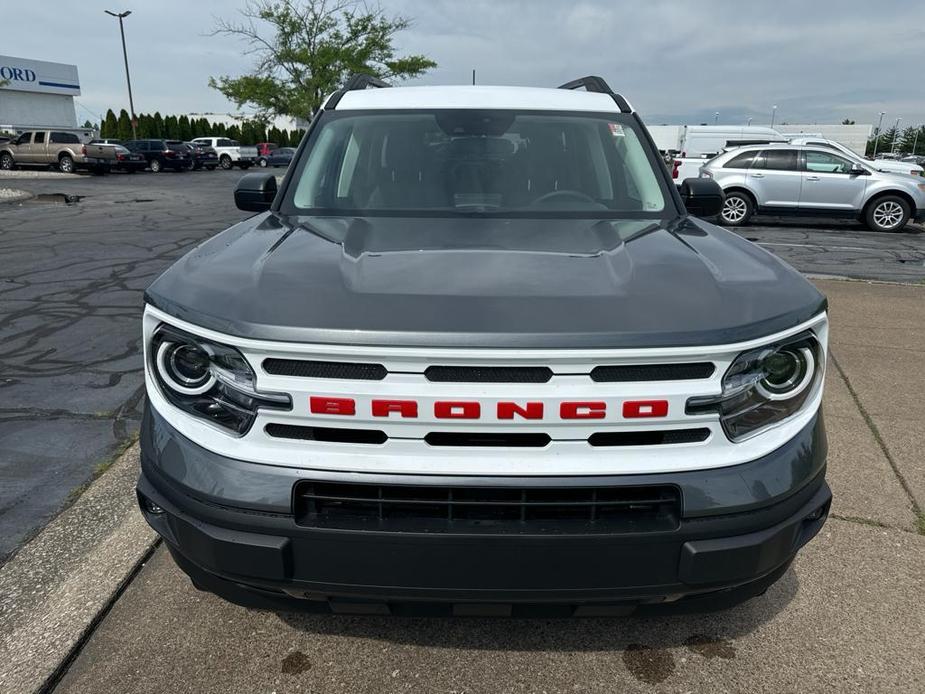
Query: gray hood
x=484, y=282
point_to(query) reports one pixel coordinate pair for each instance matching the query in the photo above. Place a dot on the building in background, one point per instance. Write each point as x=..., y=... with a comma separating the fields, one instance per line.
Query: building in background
x=668, y=137
x=37, y=93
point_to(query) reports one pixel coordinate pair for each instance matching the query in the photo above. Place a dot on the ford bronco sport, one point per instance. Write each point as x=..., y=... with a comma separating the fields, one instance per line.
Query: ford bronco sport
x=477, y=355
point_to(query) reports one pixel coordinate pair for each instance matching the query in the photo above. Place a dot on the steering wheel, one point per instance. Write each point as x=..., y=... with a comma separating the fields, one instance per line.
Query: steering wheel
x=574, y=194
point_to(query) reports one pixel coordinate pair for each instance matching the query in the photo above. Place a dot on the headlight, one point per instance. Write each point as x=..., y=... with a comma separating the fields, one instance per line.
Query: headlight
x=209, y=380
x=765, y=386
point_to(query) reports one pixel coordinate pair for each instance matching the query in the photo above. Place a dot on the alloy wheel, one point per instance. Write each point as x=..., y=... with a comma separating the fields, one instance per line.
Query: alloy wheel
x=734, y=209
x=888, y=214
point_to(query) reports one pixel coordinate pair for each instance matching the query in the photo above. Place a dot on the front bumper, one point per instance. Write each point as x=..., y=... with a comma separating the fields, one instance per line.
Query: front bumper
x=739, y=530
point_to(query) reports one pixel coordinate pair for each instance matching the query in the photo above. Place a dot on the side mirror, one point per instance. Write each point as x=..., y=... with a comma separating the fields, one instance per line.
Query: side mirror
x=255, y=192
x=702, y=197
x=858, y=170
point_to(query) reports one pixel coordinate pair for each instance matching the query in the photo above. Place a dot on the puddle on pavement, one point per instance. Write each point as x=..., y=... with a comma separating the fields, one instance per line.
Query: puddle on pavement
x=54, y=199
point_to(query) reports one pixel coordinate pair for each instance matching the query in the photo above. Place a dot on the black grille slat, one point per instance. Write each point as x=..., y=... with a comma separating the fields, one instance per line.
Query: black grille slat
x=653, y=508
x=648, y=438
x=325, y=369
x=488, y=374
x=628, y=373
x=502, y=440
x=326, y=434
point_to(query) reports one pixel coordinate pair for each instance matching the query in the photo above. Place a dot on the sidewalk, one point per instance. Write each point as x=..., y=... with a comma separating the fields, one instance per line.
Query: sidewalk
x=848, y=617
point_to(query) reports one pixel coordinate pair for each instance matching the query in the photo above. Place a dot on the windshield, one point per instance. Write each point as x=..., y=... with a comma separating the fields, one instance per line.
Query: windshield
x=439, y=162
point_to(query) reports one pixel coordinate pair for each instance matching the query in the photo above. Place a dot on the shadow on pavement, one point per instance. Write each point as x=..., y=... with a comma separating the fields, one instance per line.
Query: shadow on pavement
x=709, y=633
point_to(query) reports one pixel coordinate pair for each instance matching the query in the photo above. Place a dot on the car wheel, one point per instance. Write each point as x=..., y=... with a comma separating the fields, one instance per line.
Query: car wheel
x=889, y=213
x=6, y=162
x=156, y=166
x=225, y=162
x=66, y=164
x=262, y=163
x=737, y=209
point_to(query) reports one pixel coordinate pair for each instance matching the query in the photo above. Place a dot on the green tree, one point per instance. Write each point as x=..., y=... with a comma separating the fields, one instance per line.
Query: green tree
x=157, y=125
x=304, y=49
x=184, y=132
x=847, y=121
x=124, y=126
x=110, y=127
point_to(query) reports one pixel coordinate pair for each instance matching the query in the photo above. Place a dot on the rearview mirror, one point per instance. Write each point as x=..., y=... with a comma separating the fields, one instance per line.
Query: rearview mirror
x=702, y=197
x=255, y=192
x=858, y=170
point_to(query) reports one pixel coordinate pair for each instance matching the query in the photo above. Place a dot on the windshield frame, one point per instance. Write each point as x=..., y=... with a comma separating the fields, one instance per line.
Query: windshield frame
x=285, y=204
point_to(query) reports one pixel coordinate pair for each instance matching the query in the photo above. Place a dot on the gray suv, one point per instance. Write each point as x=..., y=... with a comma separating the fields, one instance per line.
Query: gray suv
x=808, y=181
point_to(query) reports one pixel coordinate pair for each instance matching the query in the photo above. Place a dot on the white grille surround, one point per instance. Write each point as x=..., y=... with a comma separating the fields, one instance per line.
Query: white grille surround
x=405, y=452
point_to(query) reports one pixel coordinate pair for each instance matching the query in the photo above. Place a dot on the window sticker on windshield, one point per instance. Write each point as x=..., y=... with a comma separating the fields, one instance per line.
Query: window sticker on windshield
x=615, y=129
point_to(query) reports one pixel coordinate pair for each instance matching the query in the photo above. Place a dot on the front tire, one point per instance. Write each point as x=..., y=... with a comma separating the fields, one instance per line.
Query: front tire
x=889, y=213
x=225, y=162
x=738, y=208
x=6, y=162
x=262, y=163
x=156, y=166
x=66, y=164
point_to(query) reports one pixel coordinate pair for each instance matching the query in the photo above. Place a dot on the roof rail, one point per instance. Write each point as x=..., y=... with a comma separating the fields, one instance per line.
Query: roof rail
x=357, y=82
x=592, y=83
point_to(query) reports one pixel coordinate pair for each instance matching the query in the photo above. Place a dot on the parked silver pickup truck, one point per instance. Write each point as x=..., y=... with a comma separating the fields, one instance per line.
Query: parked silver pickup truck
x=63, y=150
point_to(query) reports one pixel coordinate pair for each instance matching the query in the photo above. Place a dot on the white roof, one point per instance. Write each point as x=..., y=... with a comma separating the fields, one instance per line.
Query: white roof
x=525, y=98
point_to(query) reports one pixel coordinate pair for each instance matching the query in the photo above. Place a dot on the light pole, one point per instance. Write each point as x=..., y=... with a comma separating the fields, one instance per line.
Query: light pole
x=915, y=142
x=748, y=122
x=716, y=118
x=877, y=139
x=895, y=136
x=773, y=113
x=128, y=80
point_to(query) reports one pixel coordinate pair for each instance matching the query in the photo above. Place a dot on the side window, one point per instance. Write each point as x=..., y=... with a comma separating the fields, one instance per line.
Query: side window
x=777, y=160
x=24, y=139
x=39, y=138
x=64, y=138
x=823, y=162
x=741, y=161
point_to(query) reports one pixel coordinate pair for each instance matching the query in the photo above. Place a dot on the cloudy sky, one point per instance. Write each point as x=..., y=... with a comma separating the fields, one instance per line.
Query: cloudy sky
x=677, y=62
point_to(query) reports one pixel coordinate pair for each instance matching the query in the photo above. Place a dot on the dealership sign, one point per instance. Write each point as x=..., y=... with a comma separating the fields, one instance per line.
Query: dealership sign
x=22, y=74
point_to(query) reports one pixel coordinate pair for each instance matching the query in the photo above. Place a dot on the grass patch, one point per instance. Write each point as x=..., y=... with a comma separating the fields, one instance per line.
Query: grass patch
x=920, y=523
x=100, y=468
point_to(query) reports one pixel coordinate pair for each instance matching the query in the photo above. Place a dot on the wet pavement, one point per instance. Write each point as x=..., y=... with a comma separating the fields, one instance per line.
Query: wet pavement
x=74, y=261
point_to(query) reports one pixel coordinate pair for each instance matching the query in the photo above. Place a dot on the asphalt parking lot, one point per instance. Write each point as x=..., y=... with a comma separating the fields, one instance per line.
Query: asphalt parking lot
x=848, y=617
x=71, y=280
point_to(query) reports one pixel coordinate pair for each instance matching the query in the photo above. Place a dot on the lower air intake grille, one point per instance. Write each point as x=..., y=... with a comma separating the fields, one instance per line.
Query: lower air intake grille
x=327, y=434
x=499, y=510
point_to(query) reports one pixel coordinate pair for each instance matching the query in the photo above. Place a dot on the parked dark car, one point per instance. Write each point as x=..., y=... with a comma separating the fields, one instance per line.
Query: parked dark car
x=128, y=161
x=278, y=157
x=204, y=157
x=162, y=154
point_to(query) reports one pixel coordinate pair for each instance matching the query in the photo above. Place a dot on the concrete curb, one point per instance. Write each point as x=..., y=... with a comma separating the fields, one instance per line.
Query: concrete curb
x=56, y=588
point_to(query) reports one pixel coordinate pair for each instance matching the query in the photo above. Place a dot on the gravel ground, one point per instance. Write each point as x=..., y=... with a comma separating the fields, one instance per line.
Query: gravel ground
x=23, y=173
x=12, y=195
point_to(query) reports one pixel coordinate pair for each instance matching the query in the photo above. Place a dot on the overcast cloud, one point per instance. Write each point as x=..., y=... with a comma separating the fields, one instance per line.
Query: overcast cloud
x=677, y=62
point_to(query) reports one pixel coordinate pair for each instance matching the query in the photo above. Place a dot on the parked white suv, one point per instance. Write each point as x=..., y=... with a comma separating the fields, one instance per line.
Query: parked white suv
x=230, y=152
x=808, y=181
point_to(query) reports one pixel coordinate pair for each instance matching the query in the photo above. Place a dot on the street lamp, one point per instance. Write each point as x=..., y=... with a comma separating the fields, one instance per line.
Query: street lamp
x=895, y=135
x=773, y=113
x=879, y=128
x=748, y=122
x=128, y=80
x=716, y=118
